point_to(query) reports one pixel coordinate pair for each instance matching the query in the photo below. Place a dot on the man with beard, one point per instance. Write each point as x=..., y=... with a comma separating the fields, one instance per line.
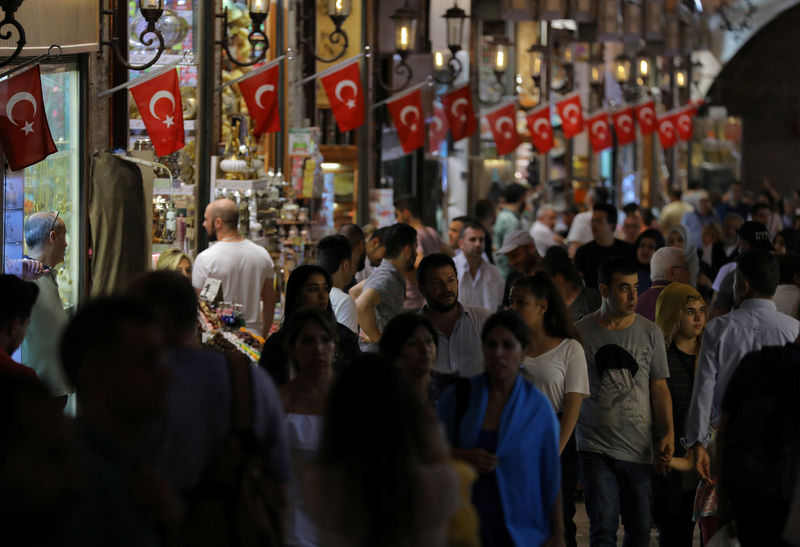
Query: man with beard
x=384, y=291
x=358, y=245
x=458, y=327
x=479, y=282
x=244, y=268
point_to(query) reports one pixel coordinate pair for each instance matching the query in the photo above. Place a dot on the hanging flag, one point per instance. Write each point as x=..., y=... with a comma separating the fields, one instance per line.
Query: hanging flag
x=571, y=114
x=406, y=111
x=666, y=130
x=646, y=116
x=623, y=126
x=540, y=128
x=437, y=130
x=599, y=131
x=683, y=123
x=24, y=132
x=159, y=102
x=345, y=95
x=460, y=114
x=503, y=123
x=260, y=93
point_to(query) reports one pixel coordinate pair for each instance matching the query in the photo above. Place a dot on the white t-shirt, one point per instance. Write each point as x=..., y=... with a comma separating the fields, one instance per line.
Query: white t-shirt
x=543, y=237
x=243, y=267
x=581, y=229
x=558, y=371
x=344, y=308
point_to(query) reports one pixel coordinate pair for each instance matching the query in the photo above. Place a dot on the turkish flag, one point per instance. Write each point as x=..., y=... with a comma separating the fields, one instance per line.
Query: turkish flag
x=540, y=128
x=159, y=102
x=666, y=131
x=345, y=96
x=24, y=132
x=683, y=123
x=646, y=116
x=406, y=111
x=623, y=126
x=599, y=131
x=503, y=123
x=571, y=114
x=260, y=93
x=437, y=130
x=460, y=115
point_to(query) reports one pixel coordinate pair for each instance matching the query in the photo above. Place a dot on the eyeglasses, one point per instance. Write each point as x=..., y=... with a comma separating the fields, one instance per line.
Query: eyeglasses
x=53, y=227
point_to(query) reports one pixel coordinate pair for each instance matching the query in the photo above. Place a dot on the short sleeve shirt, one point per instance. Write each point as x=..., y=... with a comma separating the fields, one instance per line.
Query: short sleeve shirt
x=558, y=371
x=391, y=286
x=616, y=419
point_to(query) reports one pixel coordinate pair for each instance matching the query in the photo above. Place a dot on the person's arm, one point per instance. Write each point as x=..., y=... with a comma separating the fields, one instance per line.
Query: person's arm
x=573, y=248
x=355, y=290
x=700, y=406
x=268, y=298
x=366, y=304
x=662, y=408
x=556, y=538
x=572, y=409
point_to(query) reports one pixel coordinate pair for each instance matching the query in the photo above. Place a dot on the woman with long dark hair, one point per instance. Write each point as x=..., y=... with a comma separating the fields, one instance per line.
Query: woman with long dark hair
x=646, y=244
x=508, y=431
x=382, y=477
x=556, y=364
x=308, y=286
x=411, y=339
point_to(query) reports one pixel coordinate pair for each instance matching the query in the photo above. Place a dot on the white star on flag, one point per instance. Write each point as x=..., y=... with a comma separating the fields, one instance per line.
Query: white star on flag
x=351, y=103
x=169, y=121
x=28, y=128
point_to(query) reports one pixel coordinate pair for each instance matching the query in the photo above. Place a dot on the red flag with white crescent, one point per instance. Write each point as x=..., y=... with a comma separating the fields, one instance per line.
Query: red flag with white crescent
x=159, y=102
x=571, y=114
x=503, y=124
x=437, y=129
x=599, y=131
x=406, y=111
x=541, y=129
x=345, y=96
x=666, y=130
x=623, y=126
x=260, y=93
x=683, y=123
x=646, y=116
x=24, y=132
x=460, y=114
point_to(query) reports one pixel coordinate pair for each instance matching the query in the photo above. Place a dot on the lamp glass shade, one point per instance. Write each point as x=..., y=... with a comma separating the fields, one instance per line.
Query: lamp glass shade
x=259, y=6
x=680, y=78
x=405, y=32
x=622, y=69
x=643, y=66
x=500, y=56
x=596, y=73
x=151, y=4
x=338, y=8
x=537, y=63
x=454, y=19
x=441, y=58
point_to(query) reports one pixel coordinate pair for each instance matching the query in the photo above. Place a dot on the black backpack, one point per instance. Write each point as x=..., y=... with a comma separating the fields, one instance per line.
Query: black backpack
x=762, y=436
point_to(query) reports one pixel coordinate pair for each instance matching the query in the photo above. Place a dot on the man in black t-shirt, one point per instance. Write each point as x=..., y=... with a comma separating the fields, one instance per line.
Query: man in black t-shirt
x=604, y=246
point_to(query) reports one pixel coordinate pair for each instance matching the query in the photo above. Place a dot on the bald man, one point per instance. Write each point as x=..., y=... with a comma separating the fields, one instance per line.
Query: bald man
x=245, y=269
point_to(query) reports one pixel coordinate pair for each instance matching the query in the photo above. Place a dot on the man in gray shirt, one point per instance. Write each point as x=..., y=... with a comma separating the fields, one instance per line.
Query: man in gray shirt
x=627, y=364
x=384, y=291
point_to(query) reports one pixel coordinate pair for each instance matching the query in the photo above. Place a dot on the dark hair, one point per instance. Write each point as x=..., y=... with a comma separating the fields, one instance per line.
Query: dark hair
x=484, y=208
x=380, y=233
x=301, y=318
x=400, y=329
x=556, y=261
x=471, y=225
x=790, y=239
x=557, y=321
x=676, y=194
x=332, y=251
x=770, y=198
x=353, y=233
x=650, y=233
x=511, y=321
x=375, y=437
x=609, y=210
x=760, y=269
x=788, y=266
x=514, y=192
x=647, y=216
x=95, y=333
x=432, y=262
x=18, y=298
x=399, y=237
x=408, y=203
x=168, y=293
x=758, y=206
x=630, y=208
x=600, y=194
x=614, y=265
x=463, y=219
x=294, y=285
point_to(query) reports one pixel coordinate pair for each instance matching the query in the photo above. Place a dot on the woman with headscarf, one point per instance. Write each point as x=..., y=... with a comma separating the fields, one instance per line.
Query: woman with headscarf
x=677, y=237
x=681, y=316
x=646, y=244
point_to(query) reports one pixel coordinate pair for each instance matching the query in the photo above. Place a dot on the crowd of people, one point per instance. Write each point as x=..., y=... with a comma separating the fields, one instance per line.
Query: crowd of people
x=422, y=390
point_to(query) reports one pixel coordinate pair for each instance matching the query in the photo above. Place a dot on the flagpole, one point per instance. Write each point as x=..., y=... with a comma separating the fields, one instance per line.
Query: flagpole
x=252, y=73
x=35, y=61
x=163, y=70
x=398, y=96
x=330, y=70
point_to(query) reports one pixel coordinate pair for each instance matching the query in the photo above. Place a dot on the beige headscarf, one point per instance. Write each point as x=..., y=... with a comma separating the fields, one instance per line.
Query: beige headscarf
x=669, y=307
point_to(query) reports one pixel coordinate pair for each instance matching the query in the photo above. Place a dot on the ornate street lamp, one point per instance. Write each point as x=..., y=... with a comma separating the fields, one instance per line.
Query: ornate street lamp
x=338, y=11
x=405, y=32
x=258, y=10
x=448, y=67
x=151, y=11
x=10, y=7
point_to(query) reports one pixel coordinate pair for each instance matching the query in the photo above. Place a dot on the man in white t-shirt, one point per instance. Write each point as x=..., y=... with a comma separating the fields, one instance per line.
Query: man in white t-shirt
x=334, y=255
x=245, y=269
x=480, y=284
x=580, y=231
x=543, y=230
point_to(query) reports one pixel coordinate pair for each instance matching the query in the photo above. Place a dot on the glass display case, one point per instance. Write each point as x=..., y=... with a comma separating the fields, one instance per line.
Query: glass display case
x=52, y=185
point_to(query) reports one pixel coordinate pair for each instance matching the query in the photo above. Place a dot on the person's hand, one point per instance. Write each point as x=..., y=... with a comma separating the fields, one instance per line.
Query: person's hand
x=664, y=450
x=703, y=463
x=27, y=269
x=364, y=337
x=483, y=461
